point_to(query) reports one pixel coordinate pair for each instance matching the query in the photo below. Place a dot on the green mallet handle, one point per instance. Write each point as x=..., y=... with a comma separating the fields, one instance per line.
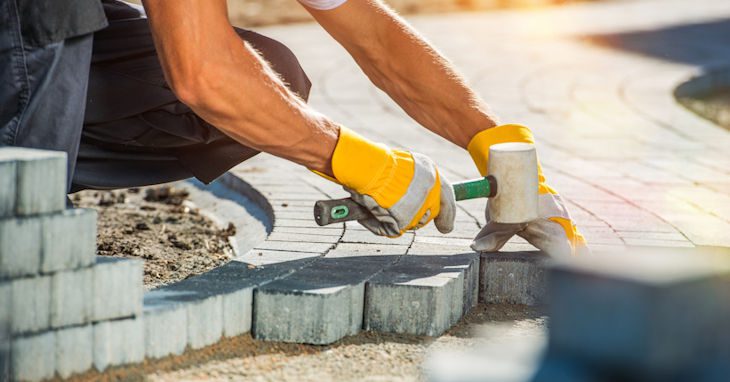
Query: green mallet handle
x=341, y=210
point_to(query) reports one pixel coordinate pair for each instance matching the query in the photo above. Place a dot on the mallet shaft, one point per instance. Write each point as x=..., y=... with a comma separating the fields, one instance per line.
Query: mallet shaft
x=342, y=210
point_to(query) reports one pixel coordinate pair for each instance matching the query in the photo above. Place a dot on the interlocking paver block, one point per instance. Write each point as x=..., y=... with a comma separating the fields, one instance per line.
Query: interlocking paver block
x=7, y=187
x=118, y=342
x=659, y=311
x=5, y=335
x=290, y=246
x=117, y=285
x=71, y=297
x=218, y=302
x=513, y=278
x=418, y=296
x=40, y=180
x=20, y=247
x=74, y=350
x=31, y=304
x=205, y=321
x=33, y=358
x=68, y=240
x=165, y=327
x=318, y=304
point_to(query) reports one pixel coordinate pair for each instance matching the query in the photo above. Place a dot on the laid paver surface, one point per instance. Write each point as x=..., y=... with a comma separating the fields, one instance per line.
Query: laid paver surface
x=595, y=83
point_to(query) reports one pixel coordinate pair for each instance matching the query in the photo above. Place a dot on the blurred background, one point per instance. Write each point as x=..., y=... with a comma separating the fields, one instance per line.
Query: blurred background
x=267, y=12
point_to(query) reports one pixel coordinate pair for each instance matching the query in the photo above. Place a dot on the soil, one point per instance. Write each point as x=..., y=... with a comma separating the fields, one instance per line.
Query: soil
x=368, y=356
x=714, y=106
x=162, y=227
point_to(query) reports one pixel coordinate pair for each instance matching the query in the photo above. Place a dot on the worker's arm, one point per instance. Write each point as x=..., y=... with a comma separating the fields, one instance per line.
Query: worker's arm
x=404, y=65
x=225, y=82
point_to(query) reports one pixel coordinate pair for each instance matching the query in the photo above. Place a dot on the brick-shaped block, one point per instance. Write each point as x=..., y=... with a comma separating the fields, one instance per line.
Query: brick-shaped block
x=31, y=304
x=237, y=312
x=117, y=288
x=659, y=311
x=71, y=297
x=20, y=247
x=319, y=304
x=33, y=358
x=205, y=321
x=165, y=327
x=419, y=295
x=40, y=185
x=7, y=187
x=74, y=350
x=118, y=342
x=513, y=278
x=5, y=316
x=68, y=240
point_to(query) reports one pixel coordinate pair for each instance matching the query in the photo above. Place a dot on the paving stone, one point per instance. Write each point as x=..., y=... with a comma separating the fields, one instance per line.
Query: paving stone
x=419, y=295
x=31, y=304
x=40, y=180
x=5, y=334
x=237, y=315
x=68, y=240
x=118, y=342
x=71, y=297
x=513, y=278
x=659, y=311
x=217, y=302
x=324, y=231
x=262, y=258
x=33, y=357
x=367, y=237
x=359, y=249
x=117, y=288
x=7, y=187
x=74, y=350
x=165, y=327
x=20, y=247
x=299, y=237
x=318, y=304
x=294, y=246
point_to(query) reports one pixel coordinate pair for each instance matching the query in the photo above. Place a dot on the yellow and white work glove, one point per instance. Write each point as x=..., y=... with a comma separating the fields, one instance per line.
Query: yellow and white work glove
x=553, y=232
x=402, y=190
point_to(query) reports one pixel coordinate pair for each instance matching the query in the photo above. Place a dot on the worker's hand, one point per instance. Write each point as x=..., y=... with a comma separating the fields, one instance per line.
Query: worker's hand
x=402, y=190
x=553, y=232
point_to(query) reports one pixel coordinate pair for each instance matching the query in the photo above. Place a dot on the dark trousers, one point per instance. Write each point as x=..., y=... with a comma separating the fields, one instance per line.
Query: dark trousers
x=128, y=129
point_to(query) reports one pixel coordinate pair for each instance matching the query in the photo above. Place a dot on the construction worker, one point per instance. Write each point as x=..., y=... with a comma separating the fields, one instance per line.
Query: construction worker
x=145, y=95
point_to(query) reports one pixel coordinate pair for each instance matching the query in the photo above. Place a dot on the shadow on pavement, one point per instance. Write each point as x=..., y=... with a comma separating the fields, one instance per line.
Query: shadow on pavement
x=695, y=44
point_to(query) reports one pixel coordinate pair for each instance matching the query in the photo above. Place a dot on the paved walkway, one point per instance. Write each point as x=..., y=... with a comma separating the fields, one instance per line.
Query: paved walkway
x=595, y=83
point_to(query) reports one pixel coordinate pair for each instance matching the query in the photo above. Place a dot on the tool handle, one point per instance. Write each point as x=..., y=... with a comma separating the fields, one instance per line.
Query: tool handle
x=338, y=211
x=341, y=210
x=477, y=188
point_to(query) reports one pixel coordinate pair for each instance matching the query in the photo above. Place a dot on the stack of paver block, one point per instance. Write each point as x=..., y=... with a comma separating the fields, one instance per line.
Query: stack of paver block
x=660, y=315
x=68, y=311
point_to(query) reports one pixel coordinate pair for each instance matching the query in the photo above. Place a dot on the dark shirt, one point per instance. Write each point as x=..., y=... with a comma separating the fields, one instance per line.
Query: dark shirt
x=47, y=21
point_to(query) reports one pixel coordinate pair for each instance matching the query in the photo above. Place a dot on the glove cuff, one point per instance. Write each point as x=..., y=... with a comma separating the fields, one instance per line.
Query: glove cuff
x=370, y=168
x=479, y=145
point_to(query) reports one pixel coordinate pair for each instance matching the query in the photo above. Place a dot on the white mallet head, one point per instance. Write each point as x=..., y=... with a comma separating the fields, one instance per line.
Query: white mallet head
x=514, y=166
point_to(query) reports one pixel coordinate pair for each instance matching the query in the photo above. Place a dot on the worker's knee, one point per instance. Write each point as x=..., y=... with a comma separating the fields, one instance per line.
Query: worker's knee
x=282, y=60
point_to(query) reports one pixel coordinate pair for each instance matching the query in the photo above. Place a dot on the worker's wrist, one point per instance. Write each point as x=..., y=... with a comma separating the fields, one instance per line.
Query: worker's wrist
x=480, y=143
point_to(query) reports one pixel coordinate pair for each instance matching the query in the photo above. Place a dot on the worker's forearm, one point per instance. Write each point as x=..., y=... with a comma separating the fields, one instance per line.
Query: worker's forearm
x=226, y=83
x=424, y=84
x=408, y=69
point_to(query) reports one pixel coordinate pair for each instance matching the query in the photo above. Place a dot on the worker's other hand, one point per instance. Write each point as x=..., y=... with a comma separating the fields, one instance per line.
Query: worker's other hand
x=553, y=232
x=402, y=190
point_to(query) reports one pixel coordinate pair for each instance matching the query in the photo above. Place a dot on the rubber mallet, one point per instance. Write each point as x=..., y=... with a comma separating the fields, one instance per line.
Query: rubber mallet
x=511, y=184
